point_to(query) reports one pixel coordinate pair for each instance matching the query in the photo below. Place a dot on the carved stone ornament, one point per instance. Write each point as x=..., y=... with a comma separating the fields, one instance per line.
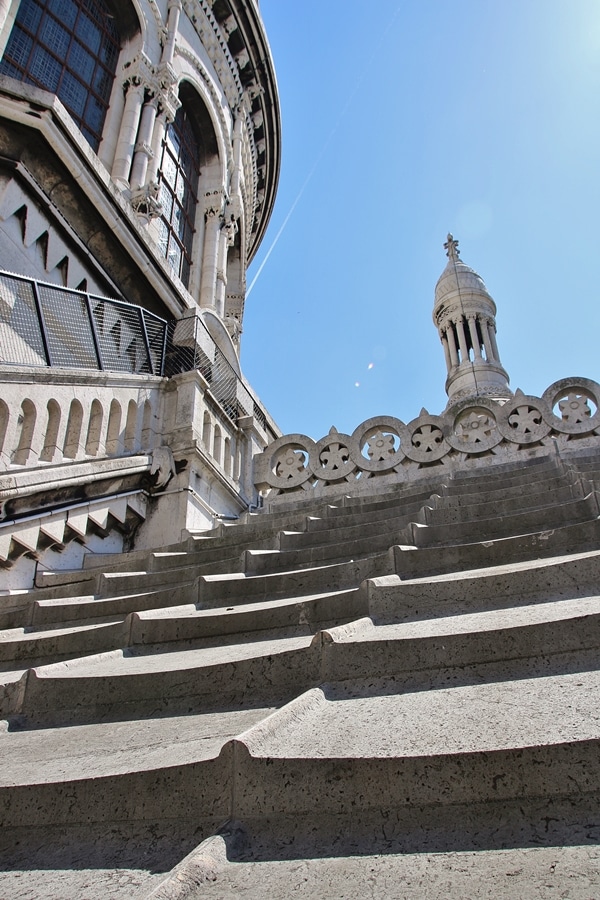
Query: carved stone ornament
x=573, y=405
x=378, y=444
x=284, y=464
x=332, y=461
x=427, y=442
x=213, y=203
x=474, y=429
x=524, y=419
x=569, y=411
x=145, y=201
x=163, y=466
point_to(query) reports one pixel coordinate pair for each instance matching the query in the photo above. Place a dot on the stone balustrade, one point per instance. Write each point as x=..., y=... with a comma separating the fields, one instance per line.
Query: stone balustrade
x=466, y=435
x=51, y=416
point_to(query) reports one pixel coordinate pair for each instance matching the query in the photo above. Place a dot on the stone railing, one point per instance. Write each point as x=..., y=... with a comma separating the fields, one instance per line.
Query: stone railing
x=52, y=417
x=469, y=434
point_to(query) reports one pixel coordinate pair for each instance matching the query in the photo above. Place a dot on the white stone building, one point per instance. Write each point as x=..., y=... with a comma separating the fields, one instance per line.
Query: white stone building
x=381, y=683
x=139, y=159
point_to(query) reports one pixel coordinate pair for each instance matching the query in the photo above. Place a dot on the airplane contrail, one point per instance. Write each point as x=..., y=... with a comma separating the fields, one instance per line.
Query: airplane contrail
x=341, y=115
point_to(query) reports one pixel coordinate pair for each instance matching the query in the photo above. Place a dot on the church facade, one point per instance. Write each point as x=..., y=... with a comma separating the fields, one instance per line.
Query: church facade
x=235, y=663
x=140, y=156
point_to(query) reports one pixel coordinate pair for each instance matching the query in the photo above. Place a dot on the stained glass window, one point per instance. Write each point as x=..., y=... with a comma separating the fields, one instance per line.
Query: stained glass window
x=178, y=179
x=69, y=47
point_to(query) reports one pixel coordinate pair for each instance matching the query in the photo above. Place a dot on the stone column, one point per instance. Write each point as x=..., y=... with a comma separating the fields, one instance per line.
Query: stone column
x=452, y=345
x=210, y=255
x=446, y=350
x=143, y=149
x=4, y=11
x=460, y=330
x=174, y=11
x=474, y=336
x=127, y=134
x=492, y=330
x=489, y=343
x=221, y=282
x=160, y=129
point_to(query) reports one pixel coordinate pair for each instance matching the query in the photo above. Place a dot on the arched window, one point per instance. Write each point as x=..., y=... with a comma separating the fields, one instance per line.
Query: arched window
x=69, y=47
x=178, y=175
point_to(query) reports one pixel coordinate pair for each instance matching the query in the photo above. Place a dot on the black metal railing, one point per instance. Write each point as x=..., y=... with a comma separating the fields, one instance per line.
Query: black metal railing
x=48, y=325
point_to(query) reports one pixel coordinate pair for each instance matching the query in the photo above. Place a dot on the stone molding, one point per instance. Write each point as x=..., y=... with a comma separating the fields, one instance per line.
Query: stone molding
x=467, y=434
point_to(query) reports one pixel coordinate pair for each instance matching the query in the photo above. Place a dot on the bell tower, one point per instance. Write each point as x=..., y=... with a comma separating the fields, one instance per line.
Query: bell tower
x=464, y=314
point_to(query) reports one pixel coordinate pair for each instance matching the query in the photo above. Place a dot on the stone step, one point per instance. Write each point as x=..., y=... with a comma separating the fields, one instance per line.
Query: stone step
x=398, y=530
x=128, y=684
x=503, y=586
x=218, y=589
x=413, y=562
x=117, y=771
x=534, y=638
x=373, y=518
x=309, y=613
x=526, y=522
x=454, y=496
x=67, y=609
x=80, y=639
x=441, y=513
x=386, y=504
x=340, y=751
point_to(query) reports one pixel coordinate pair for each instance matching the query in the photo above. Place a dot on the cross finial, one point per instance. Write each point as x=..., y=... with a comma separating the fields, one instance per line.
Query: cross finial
x=451, y=248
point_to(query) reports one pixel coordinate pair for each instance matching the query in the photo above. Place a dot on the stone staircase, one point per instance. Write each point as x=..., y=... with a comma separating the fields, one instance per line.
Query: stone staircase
x=391, y=695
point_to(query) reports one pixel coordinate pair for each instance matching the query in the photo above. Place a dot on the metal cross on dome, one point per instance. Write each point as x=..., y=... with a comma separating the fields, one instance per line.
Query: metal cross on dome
x=451, y=248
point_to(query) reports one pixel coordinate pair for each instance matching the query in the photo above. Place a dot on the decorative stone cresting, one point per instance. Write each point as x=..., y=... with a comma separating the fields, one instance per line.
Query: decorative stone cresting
x=466, y=435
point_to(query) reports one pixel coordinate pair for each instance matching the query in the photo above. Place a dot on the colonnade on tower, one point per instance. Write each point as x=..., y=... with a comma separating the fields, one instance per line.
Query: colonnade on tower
x=465, y=316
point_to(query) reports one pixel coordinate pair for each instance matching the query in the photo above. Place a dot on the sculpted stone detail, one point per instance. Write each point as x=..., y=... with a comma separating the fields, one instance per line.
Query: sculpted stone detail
x=332, y=460
x=377, y=445
x=427, y=442
x=573, y=405
x=384, y=447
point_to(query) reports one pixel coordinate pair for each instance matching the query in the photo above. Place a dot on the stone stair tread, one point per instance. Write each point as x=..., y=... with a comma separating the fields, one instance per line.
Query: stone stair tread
x=243, y=608
x=125, y=663
x=100, y=750
x=31, y=633
x=466, y=719
x=468, y=623
x=504, y=568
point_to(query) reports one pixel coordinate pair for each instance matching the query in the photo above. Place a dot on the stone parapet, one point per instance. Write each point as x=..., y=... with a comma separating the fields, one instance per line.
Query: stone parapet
x=471, y=433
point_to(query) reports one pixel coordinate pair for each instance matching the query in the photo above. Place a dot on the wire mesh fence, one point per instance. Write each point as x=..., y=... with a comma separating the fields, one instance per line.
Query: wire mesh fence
x=190, y=346
x=48, y=325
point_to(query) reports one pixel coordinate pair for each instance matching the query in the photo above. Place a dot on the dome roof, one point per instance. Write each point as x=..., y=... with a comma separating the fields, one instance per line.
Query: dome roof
x=457, y=277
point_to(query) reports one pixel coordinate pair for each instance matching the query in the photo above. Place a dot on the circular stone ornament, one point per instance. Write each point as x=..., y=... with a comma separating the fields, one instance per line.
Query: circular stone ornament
x=426, y=442
x=384, y=439
x=524, y=419
x=572, y=397
x=474, y=427
x=289, y=461
x=331, y=460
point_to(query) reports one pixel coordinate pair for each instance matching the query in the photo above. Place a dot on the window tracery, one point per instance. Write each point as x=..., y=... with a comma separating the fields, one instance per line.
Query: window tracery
x=178, y=177
x=69, y=47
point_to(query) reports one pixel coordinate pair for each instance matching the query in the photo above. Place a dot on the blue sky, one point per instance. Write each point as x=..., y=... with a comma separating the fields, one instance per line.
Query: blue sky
x=403, y=121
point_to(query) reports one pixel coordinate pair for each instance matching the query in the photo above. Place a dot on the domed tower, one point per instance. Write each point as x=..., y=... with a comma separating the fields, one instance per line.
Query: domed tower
x=465, y=315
